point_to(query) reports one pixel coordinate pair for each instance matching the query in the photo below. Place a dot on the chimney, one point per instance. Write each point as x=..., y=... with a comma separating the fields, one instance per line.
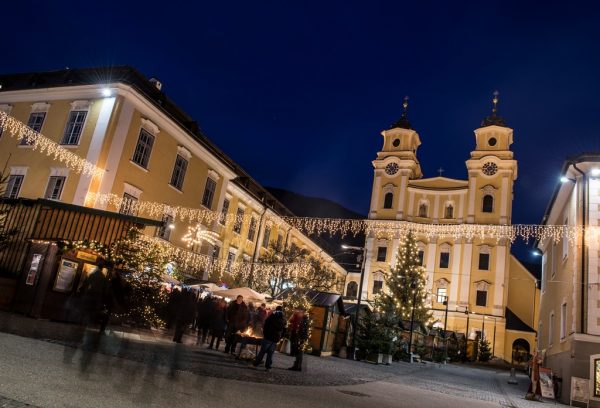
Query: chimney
x=156, y=83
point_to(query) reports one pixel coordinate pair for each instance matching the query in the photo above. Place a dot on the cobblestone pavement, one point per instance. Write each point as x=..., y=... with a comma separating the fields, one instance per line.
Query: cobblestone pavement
x=155, y=353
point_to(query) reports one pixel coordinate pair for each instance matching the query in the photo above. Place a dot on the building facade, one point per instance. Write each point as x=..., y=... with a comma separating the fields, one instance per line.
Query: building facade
x=150, y=151
x=569, y=321
x=486, y=288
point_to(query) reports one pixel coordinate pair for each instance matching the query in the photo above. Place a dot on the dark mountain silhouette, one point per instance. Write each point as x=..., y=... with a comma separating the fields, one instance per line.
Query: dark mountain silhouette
x=304, y=206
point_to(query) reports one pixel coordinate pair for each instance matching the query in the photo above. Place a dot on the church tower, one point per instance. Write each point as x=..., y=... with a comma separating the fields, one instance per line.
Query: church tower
x=492, y=171
x=394, y=166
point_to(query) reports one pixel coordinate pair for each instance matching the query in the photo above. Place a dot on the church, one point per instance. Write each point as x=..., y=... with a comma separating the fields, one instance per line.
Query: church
x=483, y=289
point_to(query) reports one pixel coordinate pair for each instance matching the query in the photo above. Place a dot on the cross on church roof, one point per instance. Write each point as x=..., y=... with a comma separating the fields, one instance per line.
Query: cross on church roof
x=441, y=170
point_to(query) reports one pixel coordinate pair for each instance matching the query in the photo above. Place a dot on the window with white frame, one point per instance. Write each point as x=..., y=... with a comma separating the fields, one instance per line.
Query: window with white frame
x=143, y=148
x=13, y=185
x=179, y=170
x=74, y=127
x=441, y=295
x=35, y=122
x=55, y=187
x=209, y=192
x=165, y=229
x=444, y=257
x=224, y=211
x=266, y=236
x=239, y=220
x=563, y=320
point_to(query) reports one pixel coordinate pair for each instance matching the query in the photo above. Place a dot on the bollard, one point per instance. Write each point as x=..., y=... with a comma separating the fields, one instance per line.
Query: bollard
x=513, y=377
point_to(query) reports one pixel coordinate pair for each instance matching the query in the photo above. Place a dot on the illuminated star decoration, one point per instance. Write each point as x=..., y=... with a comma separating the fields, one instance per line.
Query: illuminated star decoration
x=197, y=234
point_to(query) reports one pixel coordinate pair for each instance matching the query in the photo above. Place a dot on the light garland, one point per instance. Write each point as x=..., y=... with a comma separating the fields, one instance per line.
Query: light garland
x=198, y=234
x=44, y=145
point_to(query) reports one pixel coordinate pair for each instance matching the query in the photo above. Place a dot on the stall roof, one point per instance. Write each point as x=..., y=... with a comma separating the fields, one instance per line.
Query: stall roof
x=325, y=299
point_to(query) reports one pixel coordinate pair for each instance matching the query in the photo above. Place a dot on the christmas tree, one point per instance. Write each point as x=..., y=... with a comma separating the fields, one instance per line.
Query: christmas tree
x=483, y=350
x=406, y=285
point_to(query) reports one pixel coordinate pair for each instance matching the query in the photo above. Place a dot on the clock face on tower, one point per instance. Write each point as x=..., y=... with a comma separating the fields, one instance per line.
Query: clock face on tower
x=489, y=168
x=392, y=169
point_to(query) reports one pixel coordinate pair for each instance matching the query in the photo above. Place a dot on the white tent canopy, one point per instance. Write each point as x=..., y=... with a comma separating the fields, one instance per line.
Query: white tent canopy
x=249, y=295
x=208, y=286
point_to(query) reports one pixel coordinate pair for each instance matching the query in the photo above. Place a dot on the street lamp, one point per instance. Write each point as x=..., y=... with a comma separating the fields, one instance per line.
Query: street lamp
x=445, y=330
x=360, y=290
x=494, y=338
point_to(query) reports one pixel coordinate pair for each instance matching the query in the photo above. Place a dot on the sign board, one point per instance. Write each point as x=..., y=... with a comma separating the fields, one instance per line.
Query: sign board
x=546, y=384
x=86, y=256
x=67, y=271
x=580, y=390
x=33, y=269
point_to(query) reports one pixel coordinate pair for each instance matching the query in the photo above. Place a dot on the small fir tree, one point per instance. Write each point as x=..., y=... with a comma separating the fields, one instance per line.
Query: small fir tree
x=406, y=285
x=483, y=350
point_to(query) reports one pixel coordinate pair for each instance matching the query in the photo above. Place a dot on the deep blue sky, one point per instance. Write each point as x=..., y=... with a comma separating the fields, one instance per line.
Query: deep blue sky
x=306, y=87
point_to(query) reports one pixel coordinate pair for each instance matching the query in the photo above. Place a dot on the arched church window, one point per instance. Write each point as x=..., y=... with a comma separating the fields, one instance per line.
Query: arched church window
x=352, y=290
x=388, y=200
x=423, y=210
x=449, y=212
x=488, y=203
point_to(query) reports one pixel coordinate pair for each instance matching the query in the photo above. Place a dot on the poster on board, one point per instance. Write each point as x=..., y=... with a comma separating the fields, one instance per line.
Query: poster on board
x=546, y=383
x=67, y=271
x=33, y=269
x=580, y=390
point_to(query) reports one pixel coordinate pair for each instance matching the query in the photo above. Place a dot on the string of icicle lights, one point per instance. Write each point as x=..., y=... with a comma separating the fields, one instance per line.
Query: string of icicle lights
x=44, y=145
x=381, y=229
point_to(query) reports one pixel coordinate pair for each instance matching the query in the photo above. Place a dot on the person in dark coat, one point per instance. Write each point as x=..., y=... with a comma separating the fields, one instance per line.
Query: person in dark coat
x=218, y=323
x=259, y=320
x=186, y=311
x=272, y=330
x=298, y=337
x=237, y=320
x=204, y=311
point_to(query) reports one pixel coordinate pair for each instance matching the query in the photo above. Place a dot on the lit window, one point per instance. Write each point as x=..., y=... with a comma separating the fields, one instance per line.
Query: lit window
x=179, y=172
x=441, y=295
x=13, y=186
x=74, y=128
x=141, y=155
x=209, y=192
x=55, y=187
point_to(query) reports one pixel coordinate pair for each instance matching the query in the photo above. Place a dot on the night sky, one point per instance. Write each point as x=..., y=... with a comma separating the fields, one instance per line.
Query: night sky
x=297, y=92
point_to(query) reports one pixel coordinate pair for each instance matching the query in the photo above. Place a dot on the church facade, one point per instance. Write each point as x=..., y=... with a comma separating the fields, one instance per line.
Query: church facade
x=487, y=290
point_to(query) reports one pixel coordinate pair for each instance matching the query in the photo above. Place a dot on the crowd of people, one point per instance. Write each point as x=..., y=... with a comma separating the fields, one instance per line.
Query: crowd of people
x=215, y=320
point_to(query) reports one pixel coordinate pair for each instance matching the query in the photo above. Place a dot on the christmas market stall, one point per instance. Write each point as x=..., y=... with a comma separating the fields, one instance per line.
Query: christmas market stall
x=328, y=320
x=57, y=247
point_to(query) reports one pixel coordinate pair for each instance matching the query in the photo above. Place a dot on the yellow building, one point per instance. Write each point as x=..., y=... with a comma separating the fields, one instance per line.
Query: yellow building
x=151, y=151
x=487, y=288
x=569, y=320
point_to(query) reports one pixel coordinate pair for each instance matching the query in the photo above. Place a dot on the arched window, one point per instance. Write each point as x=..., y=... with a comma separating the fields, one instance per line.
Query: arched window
x=352, y=290
x=449, y=213
x=488, y=204
x=423, y=210
x=388, y=200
